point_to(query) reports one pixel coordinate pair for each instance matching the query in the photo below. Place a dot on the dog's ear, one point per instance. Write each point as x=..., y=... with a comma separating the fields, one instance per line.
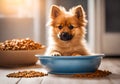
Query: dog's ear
x=55, y=11
x=79, y=12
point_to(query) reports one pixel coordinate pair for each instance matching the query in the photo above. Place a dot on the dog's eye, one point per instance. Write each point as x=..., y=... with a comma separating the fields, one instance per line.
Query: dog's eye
x=60, y=26
x=71, y=27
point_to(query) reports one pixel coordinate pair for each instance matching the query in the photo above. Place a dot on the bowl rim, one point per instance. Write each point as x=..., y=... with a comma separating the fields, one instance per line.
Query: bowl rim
x=67, y=57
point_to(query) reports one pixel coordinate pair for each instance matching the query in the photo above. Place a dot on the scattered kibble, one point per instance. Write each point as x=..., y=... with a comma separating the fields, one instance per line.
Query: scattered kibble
x=30, y=74
x=97, y=74
x=20, y=44
x=26, y=74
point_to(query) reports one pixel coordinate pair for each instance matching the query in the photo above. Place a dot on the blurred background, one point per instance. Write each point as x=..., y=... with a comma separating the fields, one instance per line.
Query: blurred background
x=28, y=19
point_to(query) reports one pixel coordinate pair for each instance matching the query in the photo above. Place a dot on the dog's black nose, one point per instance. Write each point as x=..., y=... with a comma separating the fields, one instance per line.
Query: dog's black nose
x=65, y=36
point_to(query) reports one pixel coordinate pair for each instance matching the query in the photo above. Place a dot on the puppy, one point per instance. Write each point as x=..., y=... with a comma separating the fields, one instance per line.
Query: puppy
x=67, y=32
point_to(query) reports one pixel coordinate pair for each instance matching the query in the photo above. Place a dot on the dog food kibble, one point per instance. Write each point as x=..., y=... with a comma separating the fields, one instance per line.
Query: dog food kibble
x=98, y=73
x=30, y=74
x=20, y=44
x=26, y=74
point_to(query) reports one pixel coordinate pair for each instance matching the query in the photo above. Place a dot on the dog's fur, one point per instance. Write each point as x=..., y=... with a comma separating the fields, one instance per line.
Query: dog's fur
x=76, y=45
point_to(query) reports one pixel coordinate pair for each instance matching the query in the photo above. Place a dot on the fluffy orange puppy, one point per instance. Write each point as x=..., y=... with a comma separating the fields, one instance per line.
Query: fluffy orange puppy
x=67, y=32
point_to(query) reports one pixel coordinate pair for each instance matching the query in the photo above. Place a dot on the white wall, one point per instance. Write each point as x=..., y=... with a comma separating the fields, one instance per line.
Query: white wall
x=11, y=28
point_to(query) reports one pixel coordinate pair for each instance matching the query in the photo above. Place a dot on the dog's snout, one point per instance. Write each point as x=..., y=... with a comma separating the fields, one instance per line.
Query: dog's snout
x=65, y=36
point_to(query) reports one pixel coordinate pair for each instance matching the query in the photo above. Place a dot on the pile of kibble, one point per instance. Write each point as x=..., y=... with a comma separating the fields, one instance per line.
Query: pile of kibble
x=26, y=74
x=30, y=74
x=97, y=74
x=20, y=44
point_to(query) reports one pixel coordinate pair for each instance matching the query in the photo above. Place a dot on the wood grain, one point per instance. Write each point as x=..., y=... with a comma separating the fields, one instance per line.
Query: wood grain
x=110, y=64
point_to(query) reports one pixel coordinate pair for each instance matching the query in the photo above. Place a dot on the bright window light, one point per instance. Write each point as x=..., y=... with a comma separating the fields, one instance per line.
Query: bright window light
x=16, y=8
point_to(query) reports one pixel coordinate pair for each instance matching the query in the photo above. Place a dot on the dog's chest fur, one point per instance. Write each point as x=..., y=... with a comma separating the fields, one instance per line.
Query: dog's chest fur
x=68, y=48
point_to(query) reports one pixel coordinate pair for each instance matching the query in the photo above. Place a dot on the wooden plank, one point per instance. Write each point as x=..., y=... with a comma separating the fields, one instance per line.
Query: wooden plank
x=107, y=64
x=97, y=81
x=114, y=66
x=36, y=80
x=58, y=79
x=5, y=80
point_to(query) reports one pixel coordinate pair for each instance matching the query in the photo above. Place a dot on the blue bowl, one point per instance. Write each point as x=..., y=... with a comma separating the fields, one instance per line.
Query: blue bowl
x=71, y=64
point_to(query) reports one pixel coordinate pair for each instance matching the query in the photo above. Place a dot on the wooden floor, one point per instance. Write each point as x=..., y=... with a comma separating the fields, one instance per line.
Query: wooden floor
x=111, y=64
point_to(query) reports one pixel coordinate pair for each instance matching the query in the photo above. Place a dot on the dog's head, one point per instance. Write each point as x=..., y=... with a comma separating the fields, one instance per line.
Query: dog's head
x=68, y=25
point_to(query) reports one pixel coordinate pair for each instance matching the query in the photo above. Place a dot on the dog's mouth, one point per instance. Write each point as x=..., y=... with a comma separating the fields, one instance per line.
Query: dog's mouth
x=65, y=36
